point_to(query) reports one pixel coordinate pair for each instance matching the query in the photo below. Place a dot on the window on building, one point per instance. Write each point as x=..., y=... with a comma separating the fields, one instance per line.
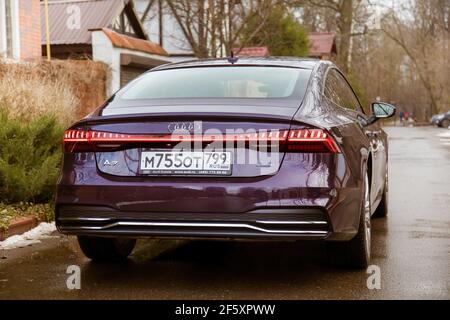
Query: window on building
x=123, y=25
x=9, y=29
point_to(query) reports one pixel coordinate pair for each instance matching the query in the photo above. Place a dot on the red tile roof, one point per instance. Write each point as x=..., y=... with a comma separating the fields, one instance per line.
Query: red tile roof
x=321, y=43
x=252, y=51
x=122, y=41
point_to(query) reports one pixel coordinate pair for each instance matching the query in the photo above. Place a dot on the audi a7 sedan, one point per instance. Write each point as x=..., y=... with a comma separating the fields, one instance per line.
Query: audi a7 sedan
x=238, y=148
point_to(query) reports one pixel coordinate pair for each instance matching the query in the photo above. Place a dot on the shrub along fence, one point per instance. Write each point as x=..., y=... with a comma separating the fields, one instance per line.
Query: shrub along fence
x=30, y=155
x=37, y=102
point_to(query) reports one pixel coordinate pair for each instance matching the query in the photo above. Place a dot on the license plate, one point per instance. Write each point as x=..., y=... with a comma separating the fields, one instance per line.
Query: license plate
x=185, y=163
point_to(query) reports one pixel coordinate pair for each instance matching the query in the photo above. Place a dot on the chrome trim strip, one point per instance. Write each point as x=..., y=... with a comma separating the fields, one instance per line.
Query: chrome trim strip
x=290, y=222
x=84, y=219
x=257, y=221
x=200, y=224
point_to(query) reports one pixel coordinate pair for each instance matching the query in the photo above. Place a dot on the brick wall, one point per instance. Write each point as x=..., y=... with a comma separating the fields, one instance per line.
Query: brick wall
x=30, y=29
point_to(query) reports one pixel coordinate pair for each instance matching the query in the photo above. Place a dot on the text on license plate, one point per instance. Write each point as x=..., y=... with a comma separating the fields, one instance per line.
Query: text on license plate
x=197, y=162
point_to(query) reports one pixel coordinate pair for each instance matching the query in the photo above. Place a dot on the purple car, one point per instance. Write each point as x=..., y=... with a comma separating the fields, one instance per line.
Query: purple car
x=248, y=148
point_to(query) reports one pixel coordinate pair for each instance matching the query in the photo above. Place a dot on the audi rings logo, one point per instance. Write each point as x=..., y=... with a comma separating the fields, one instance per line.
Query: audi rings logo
x=190, y=127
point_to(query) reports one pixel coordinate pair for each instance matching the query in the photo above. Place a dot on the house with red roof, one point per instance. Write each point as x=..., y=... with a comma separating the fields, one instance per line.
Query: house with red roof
x=322, y=45
x=109, y=31
x=251, y=52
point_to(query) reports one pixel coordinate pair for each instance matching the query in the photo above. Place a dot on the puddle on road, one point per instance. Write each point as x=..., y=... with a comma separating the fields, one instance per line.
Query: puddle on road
x=424, y=228
x=430, y=235
x=148, y=249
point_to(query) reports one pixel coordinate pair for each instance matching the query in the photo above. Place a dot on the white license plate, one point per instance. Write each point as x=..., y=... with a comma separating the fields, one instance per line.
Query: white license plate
x=185, y=163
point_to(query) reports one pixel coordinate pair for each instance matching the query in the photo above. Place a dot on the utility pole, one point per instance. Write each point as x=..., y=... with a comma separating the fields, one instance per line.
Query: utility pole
x=47, y=31
x=161, y=22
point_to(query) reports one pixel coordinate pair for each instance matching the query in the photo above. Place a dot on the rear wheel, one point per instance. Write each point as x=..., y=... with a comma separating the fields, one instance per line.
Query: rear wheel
x=356, y=252
x=106, y=249
x=445, y=123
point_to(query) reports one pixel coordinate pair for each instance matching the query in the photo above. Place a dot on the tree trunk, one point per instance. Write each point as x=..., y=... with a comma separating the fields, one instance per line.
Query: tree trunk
x=202, y=38
x=345, y=28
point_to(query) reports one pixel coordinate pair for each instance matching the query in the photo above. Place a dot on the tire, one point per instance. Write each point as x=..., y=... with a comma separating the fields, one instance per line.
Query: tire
x=106, y=249
x=382, y=210
x=355, y=253
x=445, y=123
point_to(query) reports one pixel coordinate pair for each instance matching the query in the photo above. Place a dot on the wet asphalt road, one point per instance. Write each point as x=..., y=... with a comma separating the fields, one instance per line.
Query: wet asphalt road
x=411, y=247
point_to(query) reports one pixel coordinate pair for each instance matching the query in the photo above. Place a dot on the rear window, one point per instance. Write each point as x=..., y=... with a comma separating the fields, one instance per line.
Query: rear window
x=220, y=82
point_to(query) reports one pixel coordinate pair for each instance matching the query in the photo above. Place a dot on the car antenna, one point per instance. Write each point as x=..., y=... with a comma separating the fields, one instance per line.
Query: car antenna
x=232, y=59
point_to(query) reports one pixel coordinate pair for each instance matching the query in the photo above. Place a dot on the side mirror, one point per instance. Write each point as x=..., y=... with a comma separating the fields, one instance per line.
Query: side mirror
x=381, y=110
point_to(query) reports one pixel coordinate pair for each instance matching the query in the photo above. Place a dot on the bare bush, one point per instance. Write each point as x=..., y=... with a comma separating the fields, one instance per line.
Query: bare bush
x=65, y=89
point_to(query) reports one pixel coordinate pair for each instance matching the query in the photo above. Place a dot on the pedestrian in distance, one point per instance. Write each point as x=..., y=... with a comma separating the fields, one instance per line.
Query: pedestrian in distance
x=402, y=117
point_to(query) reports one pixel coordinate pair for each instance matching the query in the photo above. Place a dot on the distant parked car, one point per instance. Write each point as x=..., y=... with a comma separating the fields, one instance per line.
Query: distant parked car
x=441, y=120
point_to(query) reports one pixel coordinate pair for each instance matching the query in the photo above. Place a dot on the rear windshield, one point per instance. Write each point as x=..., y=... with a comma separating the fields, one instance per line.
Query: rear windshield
x=220, y=82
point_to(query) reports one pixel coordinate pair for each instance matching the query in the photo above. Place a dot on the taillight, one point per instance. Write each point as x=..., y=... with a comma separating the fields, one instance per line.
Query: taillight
x=76, y=141
x=295, y=140
x=311, y=140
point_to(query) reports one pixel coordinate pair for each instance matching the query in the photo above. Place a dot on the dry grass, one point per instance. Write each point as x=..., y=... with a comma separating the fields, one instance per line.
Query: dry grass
x=67, y=89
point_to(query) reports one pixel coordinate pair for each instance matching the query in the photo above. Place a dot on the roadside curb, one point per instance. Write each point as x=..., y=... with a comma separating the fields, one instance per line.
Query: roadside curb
x=19, y=226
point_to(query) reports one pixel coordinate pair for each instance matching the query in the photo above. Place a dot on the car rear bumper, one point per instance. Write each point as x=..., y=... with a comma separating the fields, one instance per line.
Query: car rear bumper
x=89, y=202
x=268, y=223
